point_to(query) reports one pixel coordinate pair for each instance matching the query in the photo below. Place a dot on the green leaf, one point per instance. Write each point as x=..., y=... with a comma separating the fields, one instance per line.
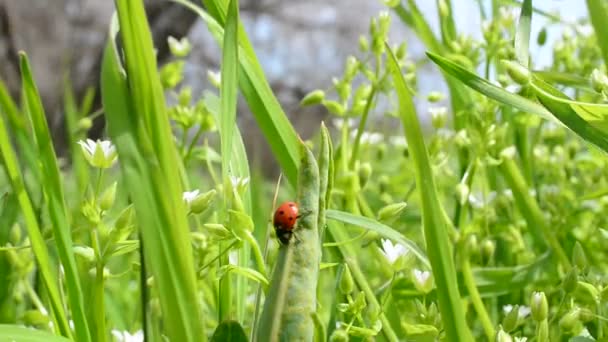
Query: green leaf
x=435, y=228
x=598, y=12
x=381, y=229
x=522, y=36
x=587, y=120
x=20, y=333
x=279, y=133
x=139, y=126
x=229, y=331
x=54, y=198
x=498, y=281
x=244, y=271
x=569, y=80
x=488, y=89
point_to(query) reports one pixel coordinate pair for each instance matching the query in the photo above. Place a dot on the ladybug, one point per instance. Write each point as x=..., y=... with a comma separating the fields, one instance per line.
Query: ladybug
x=284, y=221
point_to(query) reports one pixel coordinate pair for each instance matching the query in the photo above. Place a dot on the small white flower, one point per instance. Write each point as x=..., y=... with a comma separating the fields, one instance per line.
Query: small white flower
x=214, y=77
x=189, y=196
x=521, y=339
x=100, y=153
x=238, y=182
x=421, y=276
x=537, y=297
x=339, y=122
x=179, y=48
x=393, y=252
x=369, y=137
x=233, y=258
x=125, y=336
x=398, y=141
x=522, y=312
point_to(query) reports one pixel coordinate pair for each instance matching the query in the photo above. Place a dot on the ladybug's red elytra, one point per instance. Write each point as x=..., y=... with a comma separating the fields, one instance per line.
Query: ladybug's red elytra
x=284, y=221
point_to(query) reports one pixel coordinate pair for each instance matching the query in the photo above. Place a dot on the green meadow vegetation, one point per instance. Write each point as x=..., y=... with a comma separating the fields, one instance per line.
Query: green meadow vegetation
x=485, y=225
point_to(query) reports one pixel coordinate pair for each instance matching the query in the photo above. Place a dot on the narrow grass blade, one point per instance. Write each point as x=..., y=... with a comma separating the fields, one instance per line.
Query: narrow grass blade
x=488, y=89
x=435, y=229
x=598, y=12
x=569, y=80
x=227, y=120
x=139, y=126
x=522, y=36
x=589, y=121
x=54, y=198
x=384, y=230
x=18, y=127
x=22, y=334
x=269, y=115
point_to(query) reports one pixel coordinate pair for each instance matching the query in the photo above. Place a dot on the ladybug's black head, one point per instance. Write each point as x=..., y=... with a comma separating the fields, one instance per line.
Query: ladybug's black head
x=284, y=235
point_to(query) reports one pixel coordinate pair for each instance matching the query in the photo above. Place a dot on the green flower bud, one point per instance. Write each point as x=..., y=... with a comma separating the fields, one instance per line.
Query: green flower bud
x=570, y=283
x=502, y=336
x=401, y=51
x=586, y=315
x=85, y=124
x=435, y=96
x=35, y=318
x=171, y=74
x=487, y=249
x=579, y=259
x=343, y=88
x=360, y=303
x=462, y=193
x=352, y=66
x=93, y=273
x=599, y=80
x=107, y=198
x=202, y=202
x=363, y=44
x=541, y=39
x=217, y=231
x=179, y=48
x=586, y=293
x=539, y=306
x=570, y=320
x=125, y=218
x=511, y=320
x=85, y=252
x=391, y=212
x=365, y=172
x=517, y=72
x=334, y=107
x=444, y=10
x=313, y=98
x=185, y=96
x=339, y=335
x=239, y=223
x=346, y=281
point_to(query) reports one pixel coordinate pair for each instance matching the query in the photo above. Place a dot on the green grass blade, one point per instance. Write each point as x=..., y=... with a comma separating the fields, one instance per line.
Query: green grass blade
x=139, y=126
x=438, y=248
x=229, y=331
x=569, y=80
x=39, y=248
x=227, y=120
x=269, y=115
x=598, y=12
x=384, y=230
x=22, y=334
x=54, y=198
x=488, y=89
x=589, y=121
x=18, y=126
x=522, y=36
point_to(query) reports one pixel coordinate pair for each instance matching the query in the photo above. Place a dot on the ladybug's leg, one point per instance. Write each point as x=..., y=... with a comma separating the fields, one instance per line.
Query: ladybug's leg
x=304, y=213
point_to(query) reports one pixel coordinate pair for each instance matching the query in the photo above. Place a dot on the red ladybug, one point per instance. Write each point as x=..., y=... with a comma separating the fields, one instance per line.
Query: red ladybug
x=284, y=221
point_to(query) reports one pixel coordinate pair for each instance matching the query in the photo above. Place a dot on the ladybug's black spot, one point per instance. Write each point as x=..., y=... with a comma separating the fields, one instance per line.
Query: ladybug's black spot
x=281, y=212
x=290, y=218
